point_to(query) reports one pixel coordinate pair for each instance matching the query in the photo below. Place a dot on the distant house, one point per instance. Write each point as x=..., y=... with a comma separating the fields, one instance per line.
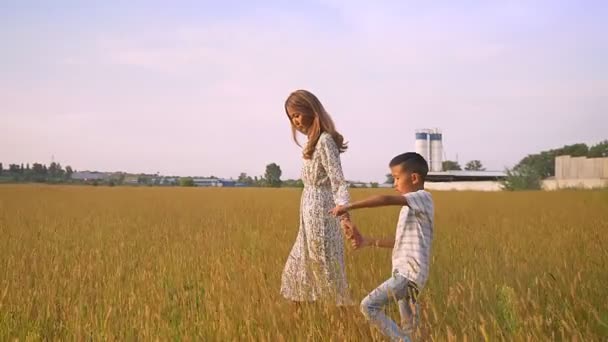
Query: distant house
x=465, y=176
x=169, y=181
x=206, y=182
x=228, y=182
x=355, y=184
x=89, y=176
x=131, y=180
x=463, y=180
x=213, y=182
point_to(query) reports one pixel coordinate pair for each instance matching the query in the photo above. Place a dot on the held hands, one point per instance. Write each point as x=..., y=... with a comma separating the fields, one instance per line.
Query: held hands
x=339, y=210
x=352, y=233
x=350, y=229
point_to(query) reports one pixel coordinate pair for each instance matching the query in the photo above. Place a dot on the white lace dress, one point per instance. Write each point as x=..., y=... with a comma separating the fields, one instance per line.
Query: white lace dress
x=315, y=267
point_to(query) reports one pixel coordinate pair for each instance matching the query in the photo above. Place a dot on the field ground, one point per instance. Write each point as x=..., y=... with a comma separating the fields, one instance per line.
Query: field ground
x=205, y=264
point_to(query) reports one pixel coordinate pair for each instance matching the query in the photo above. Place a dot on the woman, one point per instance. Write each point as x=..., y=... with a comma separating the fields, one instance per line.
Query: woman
x=315, y=267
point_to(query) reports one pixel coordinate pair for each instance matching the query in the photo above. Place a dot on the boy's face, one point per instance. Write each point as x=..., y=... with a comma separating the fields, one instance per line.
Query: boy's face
x=404, y=181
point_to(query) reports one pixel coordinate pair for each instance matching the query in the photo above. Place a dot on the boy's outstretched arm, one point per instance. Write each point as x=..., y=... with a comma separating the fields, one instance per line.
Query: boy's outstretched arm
x=374, y=201
x=374, y=242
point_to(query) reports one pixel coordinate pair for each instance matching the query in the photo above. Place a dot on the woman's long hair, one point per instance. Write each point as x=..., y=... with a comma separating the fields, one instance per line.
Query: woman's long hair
x=307, y=104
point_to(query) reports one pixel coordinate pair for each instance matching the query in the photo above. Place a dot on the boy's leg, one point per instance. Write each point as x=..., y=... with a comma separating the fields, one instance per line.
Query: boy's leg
x=393, y=289
x=409, y=309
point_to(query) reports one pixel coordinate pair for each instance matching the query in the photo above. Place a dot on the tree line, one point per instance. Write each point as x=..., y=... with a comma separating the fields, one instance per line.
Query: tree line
x=37, y=172
x=526, y=175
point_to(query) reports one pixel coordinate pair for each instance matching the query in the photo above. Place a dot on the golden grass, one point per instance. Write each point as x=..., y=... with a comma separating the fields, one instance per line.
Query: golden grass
x=205, y=264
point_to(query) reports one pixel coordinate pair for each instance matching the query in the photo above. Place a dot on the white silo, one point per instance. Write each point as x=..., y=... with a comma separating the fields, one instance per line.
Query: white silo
x=422, y=144
x=436, y=140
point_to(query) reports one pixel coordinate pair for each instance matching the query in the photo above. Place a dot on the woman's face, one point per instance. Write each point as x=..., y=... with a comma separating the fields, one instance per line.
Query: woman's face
x=299, y=120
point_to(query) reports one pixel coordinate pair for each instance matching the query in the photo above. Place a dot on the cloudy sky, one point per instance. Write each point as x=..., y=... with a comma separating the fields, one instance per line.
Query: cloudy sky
x=197, y=88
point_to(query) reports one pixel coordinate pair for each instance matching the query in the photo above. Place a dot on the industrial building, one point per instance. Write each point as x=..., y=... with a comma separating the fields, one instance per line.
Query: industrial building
x=429, y=144
x=578, y=172
x=570, y=172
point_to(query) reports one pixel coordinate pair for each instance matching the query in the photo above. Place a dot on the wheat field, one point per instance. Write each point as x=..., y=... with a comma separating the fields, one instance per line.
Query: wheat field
x=120, y=263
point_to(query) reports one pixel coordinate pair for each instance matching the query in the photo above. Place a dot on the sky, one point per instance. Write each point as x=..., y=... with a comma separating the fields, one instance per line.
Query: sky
x=196, y=88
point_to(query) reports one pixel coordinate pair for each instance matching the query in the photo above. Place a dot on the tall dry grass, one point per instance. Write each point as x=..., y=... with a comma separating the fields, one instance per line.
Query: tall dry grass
x=205, y=264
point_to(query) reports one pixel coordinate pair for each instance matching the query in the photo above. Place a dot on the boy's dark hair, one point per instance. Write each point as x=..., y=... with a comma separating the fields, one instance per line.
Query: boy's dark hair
x=412, y=162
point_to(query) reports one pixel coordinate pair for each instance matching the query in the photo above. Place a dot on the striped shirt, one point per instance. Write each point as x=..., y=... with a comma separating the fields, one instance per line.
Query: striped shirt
x=411, y=253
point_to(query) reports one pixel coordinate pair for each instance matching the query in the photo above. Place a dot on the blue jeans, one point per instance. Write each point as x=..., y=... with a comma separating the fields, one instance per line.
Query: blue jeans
x=396, y=289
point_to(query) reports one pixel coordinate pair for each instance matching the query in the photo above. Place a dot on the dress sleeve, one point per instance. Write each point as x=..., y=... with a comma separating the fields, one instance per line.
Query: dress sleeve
x=330, y=159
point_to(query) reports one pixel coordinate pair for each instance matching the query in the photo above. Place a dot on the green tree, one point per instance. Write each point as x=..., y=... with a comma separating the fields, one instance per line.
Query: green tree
x=68, y=172
x=474, y=165
x=389, y=179
x=596, y=151
x=244, y=179
x=449, y=165
x=116, y=178
x=1, y=169
x=576, y=150
x=38, y=169
x=37, y=173
x=543, y=163
x=13, y=168
x=293, y=183
x=374, y=185
x=186, y=181
x=273, y=175
x=143, y=179
x=53, y=169
x=522, y=177
x=27, y=173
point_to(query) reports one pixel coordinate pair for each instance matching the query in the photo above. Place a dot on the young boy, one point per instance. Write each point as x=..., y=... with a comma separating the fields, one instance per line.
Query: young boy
x=411, y=245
